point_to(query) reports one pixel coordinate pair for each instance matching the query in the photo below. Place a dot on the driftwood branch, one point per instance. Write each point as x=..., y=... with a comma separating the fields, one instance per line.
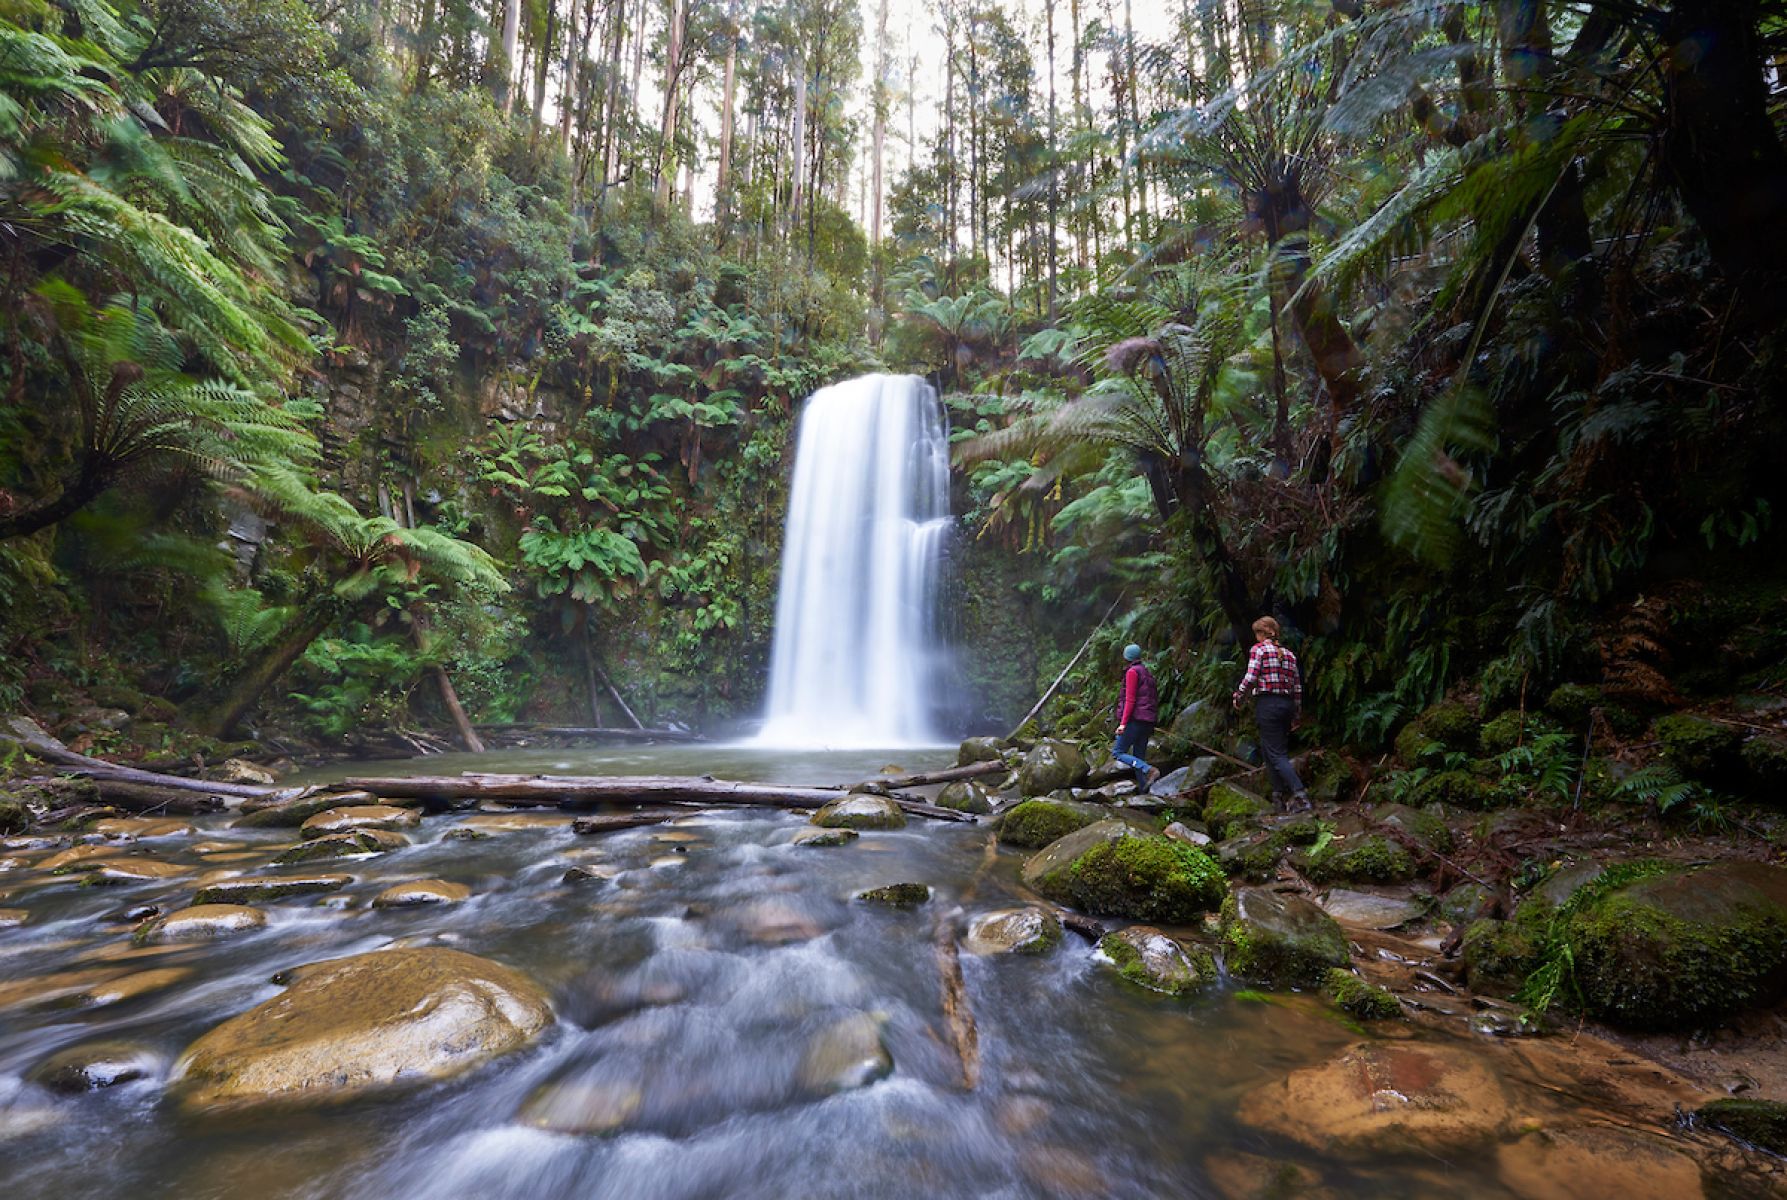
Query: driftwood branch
x=30, y=737
x=950, y=775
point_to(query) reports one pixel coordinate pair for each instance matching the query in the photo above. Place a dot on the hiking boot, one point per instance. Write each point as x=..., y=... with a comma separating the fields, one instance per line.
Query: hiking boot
x=1148, y=783
x=1299, y=803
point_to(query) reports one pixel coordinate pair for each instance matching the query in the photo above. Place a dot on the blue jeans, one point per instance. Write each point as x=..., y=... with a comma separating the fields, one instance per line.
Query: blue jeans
x=1132, y=743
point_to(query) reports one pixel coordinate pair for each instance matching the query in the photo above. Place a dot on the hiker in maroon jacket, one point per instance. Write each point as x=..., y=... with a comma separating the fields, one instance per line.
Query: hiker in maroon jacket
x=1137, y=712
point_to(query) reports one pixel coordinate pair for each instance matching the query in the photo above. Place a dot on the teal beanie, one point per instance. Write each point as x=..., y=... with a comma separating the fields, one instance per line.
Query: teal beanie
x=1132, y=652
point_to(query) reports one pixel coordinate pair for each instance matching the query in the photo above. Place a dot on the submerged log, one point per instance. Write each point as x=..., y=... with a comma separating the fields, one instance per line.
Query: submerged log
x=572, y=791
x=958, y=1016
x=948, y=775
x=613, y=822
x=594, y=733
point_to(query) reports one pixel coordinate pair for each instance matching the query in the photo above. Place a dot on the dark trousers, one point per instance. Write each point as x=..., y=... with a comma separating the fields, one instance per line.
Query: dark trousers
x=1273, y=713
x=1132, y=743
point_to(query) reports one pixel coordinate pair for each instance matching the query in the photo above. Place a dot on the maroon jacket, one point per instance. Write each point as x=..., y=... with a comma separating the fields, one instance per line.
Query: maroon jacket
x=1141, y=702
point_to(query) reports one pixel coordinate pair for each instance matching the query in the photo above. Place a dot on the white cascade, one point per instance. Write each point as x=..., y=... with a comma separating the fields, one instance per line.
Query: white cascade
x=858, y=658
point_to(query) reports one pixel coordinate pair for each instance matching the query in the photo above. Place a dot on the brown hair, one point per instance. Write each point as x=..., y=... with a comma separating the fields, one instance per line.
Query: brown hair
x=1265, y=627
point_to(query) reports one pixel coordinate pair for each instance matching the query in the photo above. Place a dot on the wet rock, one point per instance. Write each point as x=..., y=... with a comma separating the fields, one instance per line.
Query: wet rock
x=1108, y=869
x=1254, y=855
x=775, y=922
x=361, y=816
x=290, y=814
x=95, y=1065
x=1371, y=910
x=846, y=1055
x=825, y=837
x=137, y=829
x=591, y=873
x=349, y=1026
x=585, y=1107
x=1179, y=831
x=964, y=795
x=1354, y=996
x=421, y=891
x=1035, y=823
x=1385, y=1097
x=1240, y=1176
x=258, y=888
x=1499, y=955
x=1592, y=1163
x=1561, y=884
x=1760, y=1123
x=980, y=749
x=515, y=822
x=1279, y=939
x=898, y=895
x=1049, y=765
x=1149, y=958
x=356, y=844
x=1366, y=858
x=1426, y=826
x=12, y=918
x=1466, y=903
x=236, y=770
x=1112, y=793
x=466, y=835
x=857, y=811
x=1013, y=931
x=1232, y=810
x=134, y=870
x=77, y=859
x=203, y=921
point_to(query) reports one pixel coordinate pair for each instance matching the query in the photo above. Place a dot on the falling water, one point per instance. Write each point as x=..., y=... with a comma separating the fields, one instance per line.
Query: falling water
x=857, y=658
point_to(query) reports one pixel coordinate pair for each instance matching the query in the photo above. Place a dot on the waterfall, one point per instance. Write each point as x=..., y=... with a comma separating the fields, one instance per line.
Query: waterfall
x=857, y=659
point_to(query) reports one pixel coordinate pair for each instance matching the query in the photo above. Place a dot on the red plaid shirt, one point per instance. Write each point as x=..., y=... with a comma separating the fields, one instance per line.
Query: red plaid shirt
x=1271, y=670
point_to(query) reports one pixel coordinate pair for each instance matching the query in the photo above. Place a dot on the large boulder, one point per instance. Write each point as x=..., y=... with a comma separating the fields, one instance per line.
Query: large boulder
x=359, y=816
x=1594, y=1162
x=350, y=1026
x=354, y=844
x=270, y=813
x=1385, y=1097
x=1013, y=931
x=1361, y=858
x=980, y=749
x=1280, y=939
x=861, y=811
x=1149, y=958
x=1231, y=810
x=1109, y=869
x=1051, y=764
x=964, y=795
x=203, y=921
x=1684, y=948
x=1036, y=823
x=421, y=892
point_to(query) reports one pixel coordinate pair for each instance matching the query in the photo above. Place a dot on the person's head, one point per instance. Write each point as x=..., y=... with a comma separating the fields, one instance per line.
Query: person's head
x=1132, y=653
x=1265, y=630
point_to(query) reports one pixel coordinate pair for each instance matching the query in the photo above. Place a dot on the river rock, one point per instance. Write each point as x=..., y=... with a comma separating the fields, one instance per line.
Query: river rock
x=775, y=922
x=1179, y=831
x=1232, y=810
x=1280, y=939
x=1172, y=783
x=256, y=888
x=1109, y=869
x=138, y=829
x=897, y=895
x=356, y=844
x=1596, y=1162
x=964, y=795
x=1035, y=823
x=360, y=816
x=1385, y=1097
x=1371, y=910
x=1237, y=1175
x=93, y=1065
x=980, y=749
x=1149, y=958
x=824, y=837
x=859, y=811
x=1109, y=771
x=349, y=1026
x=290, y=814
x=203, y=921
x=1049, y=765
x=134, y=870
x=420, y=892
x=12, y=918
x=591, y=873
x=846, y=1055
x=77, y=859
x=1013, y=931
x=1683, y=949
x=582, y=1106
x=516, y=822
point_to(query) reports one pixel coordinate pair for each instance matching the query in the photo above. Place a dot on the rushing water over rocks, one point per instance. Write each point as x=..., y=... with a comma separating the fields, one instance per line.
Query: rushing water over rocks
x=730, y=1017
x=857, y=658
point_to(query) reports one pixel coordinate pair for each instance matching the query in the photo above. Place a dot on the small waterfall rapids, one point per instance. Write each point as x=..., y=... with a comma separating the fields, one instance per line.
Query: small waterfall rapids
x=858, y=658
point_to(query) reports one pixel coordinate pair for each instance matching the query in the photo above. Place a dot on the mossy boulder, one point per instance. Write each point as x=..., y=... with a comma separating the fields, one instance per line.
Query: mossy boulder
x=964, y=795
x=1036, y=823
x=1458, y=788
x=1357, y=998
x=1254, y=855
x=1574, y=703
x=352, y=1026
x=1681, y=949
x=1514, y=728
x=1050, y=765
x=1150, y=959
x=359, y=816
x=285, y=814
x=1766, y=757
x=1501, y=684
x=1362, y=858
x=1698, y=747
x=1426, y=825
x=1499, y=955
x=1449, y=724
x=824, y=837
x=861, y=811
x=980, y=749
x=897, y=895
x=1029, y=930
x=352, y=844
x=1327, y=777
x=14, y=816
x=1229, y=810
x=1108, y=869
x=253, y=889
x=1759, y=1123
x=1280, y=939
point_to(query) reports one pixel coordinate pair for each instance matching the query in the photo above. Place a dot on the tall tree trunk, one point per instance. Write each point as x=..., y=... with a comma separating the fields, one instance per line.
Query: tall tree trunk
x=468, y=737
x=543, y=64
x=427, y=40
x=800, y=141
x=666, y=172
x=503, y=69
x=880, y=133
x=303, y=629
x=1053, y=161
x=728, y=100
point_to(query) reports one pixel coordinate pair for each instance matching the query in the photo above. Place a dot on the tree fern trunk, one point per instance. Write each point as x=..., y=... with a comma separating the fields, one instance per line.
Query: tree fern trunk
x=252, y=683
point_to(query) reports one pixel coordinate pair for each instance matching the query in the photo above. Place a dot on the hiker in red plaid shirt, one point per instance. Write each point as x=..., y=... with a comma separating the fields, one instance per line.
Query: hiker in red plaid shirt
x=1277, y=688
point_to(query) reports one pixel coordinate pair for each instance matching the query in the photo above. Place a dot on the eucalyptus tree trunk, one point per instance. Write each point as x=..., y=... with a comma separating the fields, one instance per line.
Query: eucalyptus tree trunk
x=503, y=70
x=543, y=64
x=1053, y=157
x=666, y=172
x=880, y=134
x=800, y=141
x=728, y=103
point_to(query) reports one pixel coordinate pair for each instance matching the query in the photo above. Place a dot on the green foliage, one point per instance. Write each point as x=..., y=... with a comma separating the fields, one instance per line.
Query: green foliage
x=1553, y=976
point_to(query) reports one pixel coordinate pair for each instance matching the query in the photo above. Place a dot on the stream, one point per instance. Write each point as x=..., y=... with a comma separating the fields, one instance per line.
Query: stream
x=689, y=990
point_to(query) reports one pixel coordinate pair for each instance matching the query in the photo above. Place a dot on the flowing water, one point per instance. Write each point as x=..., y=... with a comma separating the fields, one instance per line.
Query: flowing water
x=857, y=660
x=690, y=987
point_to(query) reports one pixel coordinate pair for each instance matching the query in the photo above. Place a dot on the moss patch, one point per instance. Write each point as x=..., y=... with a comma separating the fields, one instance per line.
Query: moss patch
x=1230, y=809
x=1036, y=823
x=1373, y=858
x=1353, y=995
x=1280, y=939
x=1145, y=878
x=1701, y=748
x=1766, y=757
x=1759, y=1123
x=1512, y=729
x=1499, y=955
x=1449, y=724
x=899, y=895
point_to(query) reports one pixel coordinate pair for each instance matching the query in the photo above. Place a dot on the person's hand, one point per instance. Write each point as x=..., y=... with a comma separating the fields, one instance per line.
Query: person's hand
x=1237, y=701
x=1297, y=720
x=1119, y=727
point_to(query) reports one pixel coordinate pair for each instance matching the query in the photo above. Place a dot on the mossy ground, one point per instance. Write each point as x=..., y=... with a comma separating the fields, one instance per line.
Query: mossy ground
x=1353, y=995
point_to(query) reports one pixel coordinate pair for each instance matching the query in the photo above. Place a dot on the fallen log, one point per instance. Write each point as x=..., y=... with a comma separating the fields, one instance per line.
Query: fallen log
x=597, y=733
x=958, y=1016
x=613, y=822
x=155, y=798
x=572, y=791
x=949, y=775
x=30, y=737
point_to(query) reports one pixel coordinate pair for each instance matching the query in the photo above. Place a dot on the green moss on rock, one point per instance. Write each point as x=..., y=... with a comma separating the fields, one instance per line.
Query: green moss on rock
x=898, y=895
x=1141, y=877
x=1512, y=729
x=1278, y=939
x=14, y=817
x=1498, y=956
x=1372, y=858
x=1230, y=809
x=1036, y=823
x=1150, y=959
x=1353, y=995
x=1759, y=1123
x=1766, y=757
x=1572, y=703
x=1450, y=724
x=1458, y=788
x=1699, y=747
x=965, y=795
